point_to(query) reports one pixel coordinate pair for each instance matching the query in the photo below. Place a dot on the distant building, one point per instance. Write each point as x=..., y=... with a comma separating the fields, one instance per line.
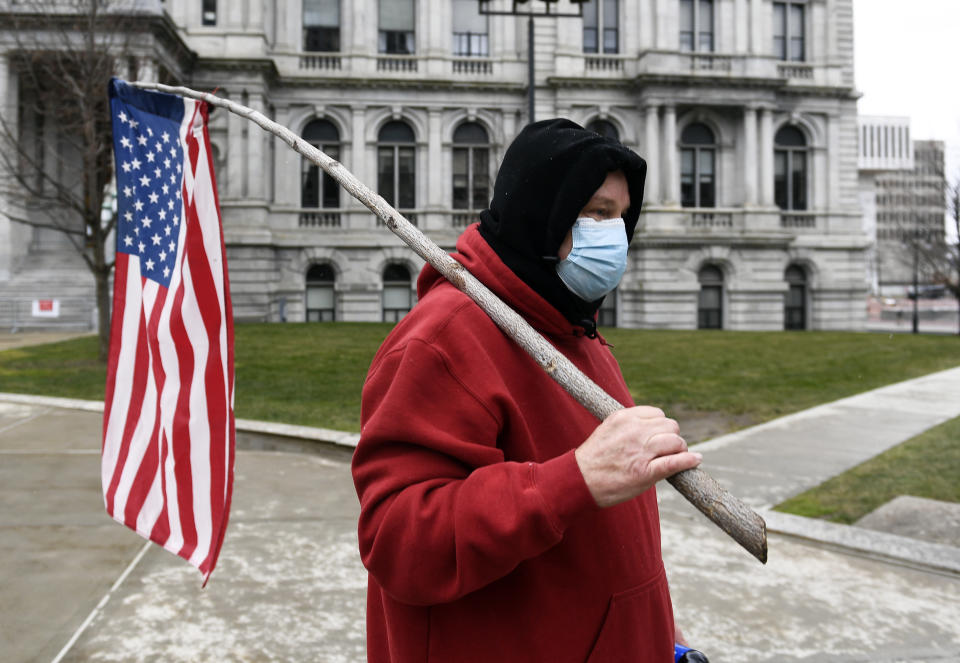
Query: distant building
x=745, y=111
x=903, y=198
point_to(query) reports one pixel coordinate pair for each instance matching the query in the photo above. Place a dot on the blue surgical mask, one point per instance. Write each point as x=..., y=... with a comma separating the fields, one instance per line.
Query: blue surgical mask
x=598, y=259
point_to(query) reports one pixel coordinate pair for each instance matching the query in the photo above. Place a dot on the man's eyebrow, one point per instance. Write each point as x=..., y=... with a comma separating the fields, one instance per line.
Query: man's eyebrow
x=597, y=200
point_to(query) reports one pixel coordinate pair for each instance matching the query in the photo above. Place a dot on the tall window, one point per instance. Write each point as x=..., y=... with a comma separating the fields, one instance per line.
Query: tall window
x=396, y=292
x=471, y=167
x=604, y=128
x=321, y=25
x=698, y=158
x=790, y=169
x=696, y=25
x=607, y=315
x=317, y=188
x=208, y=9
x=395, y=164
x=470, y=31
x=321, y=299
x=789, y=31
x=710, y=301
x=601, y=33
x=397, y=27
x=795, y=304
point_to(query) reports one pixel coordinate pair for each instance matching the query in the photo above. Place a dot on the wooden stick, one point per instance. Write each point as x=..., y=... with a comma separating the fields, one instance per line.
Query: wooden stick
x=726, y=511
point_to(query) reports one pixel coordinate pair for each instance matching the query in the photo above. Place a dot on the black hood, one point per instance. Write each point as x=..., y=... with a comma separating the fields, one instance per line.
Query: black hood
x=547, y=176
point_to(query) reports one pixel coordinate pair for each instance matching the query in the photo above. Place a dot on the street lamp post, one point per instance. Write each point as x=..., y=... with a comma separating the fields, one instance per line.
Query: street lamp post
x=548, y=11
x=916, y=285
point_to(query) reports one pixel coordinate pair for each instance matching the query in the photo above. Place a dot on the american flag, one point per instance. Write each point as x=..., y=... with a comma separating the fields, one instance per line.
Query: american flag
x=168, y=427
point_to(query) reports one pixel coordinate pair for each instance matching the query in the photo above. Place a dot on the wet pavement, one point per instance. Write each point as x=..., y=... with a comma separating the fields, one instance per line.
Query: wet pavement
x=290, y=587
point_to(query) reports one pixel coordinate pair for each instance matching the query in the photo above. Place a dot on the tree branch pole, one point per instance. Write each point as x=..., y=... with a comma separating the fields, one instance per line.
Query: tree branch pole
x=726, y=511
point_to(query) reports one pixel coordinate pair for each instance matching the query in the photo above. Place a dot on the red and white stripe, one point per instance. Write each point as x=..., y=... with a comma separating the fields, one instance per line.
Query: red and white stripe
x=168, y=442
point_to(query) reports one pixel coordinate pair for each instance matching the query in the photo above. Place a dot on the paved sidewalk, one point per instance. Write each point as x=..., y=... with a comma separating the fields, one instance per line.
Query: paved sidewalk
x=22, y=339
x=290, y=587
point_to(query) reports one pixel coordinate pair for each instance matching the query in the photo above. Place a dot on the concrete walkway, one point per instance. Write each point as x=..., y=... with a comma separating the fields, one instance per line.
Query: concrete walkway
x=290, y=587
x=23, y=339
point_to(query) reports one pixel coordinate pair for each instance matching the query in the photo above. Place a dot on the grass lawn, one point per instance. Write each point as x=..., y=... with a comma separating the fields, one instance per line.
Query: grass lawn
x=312, y=373
x=925, y=466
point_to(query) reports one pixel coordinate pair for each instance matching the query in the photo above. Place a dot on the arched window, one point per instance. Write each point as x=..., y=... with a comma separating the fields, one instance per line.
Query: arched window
x=396, y=292
x=601, y=33
x=604, y=128
x=795, y=304
x=317, y=188
x=321, y=25
x=471, y=167
x=698, y=156
x=710, y=300
x=607, y=315
x=790, y=169
x=396, y=178
x=696, y=25
x=321, y=298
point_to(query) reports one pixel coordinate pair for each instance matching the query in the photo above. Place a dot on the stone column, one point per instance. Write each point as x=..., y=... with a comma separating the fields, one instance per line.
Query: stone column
x=766, y=157
x=741, y=19
x=358, y=153
x=286, y=167
x=651, y=150
x=256, y=152
x=235, y=155
x=750, y=166
x=663, y=11
x=255, y=16
x=231, y=15
x=669, y=160
x=758, y=42
x=8, y=110
x=434, y=172
x=833, y=161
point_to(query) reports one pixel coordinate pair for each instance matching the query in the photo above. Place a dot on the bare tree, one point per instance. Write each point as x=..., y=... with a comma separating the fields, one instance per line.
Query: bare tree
x=916, y=201
x=948, y=271
x=56, y=161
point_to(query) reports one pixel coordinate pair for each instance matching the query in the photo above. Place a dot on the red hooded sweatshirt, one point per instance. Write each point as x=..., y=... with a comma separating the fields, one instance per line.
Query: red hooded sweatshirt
x=480, y=536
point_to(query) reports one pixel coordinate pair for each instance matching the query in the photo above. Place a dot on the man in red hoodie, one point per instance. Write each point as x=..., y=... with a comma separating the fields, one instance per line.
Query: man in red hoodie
x=499, y=522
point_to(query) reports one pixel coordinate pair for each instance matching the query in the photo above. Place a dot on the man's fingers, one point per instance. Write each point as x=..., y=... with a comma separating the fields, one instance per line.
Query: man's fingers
x=666, y=442
x=646, y=411
x=666, y=466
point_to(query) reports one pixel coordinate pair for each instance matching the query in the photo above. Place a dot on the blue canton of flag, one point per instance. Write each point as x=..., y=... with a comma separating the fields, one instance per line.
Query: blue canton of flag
x=149, y=178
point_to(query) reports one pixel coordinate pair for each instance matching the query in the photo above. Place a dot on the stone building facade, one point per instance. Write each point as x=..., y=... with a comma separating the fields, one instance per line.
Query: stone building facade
x=745, y=111
x=903, y=196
